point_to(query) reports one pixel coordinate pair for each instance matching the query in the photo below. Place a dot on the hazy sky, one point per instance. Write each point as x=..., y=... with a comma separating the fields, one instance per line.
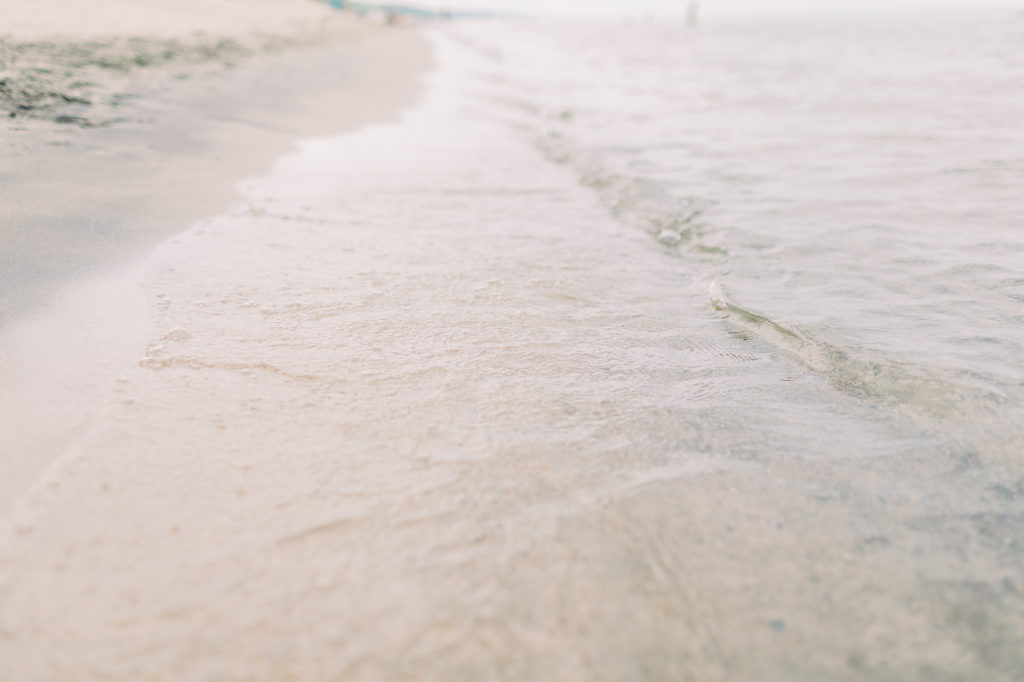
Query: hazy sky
x=711, y=7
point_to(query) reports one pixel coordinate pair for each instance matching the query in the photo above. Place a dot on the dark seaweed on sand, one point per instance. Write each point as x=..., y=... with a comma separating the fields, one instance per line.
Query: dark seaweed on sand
x=80, y=82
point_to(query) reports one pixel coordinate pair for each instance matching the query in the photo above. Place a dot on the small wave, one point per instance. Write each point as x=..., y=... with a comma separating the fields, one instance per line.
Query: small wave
x=885, y=381
x=670, y=219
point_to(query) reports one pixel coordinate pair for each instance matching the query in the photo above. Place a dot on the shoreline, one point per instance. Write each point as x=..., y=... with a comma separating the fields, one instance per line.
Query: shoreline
x=446, y=398
x=162, y=146
x=76, y=316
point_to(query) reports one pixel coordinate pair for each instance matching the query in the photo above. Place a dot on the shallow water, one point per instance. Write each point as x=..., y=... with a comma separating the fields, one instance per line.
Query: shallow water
x=428, y=406
x=849, y=188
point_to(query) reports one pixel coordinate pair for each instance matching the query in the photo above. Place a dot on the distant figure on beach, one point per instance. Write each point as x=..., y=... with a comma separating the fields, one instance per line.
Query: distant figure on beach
x=691, y=12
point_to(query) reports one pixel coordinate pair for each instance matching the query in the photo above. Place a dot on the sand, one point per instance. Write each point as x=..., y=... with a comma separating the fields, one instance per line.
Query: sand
x=160, y=145
x=408, y=403
x=111, y=104
x=62, y=60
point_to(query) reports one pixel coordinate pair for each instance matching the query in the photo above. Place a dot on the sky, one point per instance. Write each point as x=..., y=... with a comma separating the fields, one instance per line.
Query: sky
x=711, y=7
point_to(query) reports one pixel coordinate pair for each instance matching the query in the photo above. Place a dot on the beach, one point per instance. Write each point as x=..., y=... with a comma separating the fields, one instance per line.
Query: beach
x=516, y=351
x=136, y=101
x=169, y=153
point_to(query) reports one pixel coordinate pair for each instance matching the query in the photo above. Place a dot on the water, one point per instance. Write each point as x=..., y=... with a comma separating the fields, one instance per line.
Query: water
x=849, y=188
x=631, y=353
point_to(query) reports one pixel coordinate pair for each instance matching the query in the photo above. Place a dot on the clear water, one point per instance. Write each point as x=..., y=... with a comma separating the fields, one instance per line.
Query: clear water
x=632, y=353
x=848, y=190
